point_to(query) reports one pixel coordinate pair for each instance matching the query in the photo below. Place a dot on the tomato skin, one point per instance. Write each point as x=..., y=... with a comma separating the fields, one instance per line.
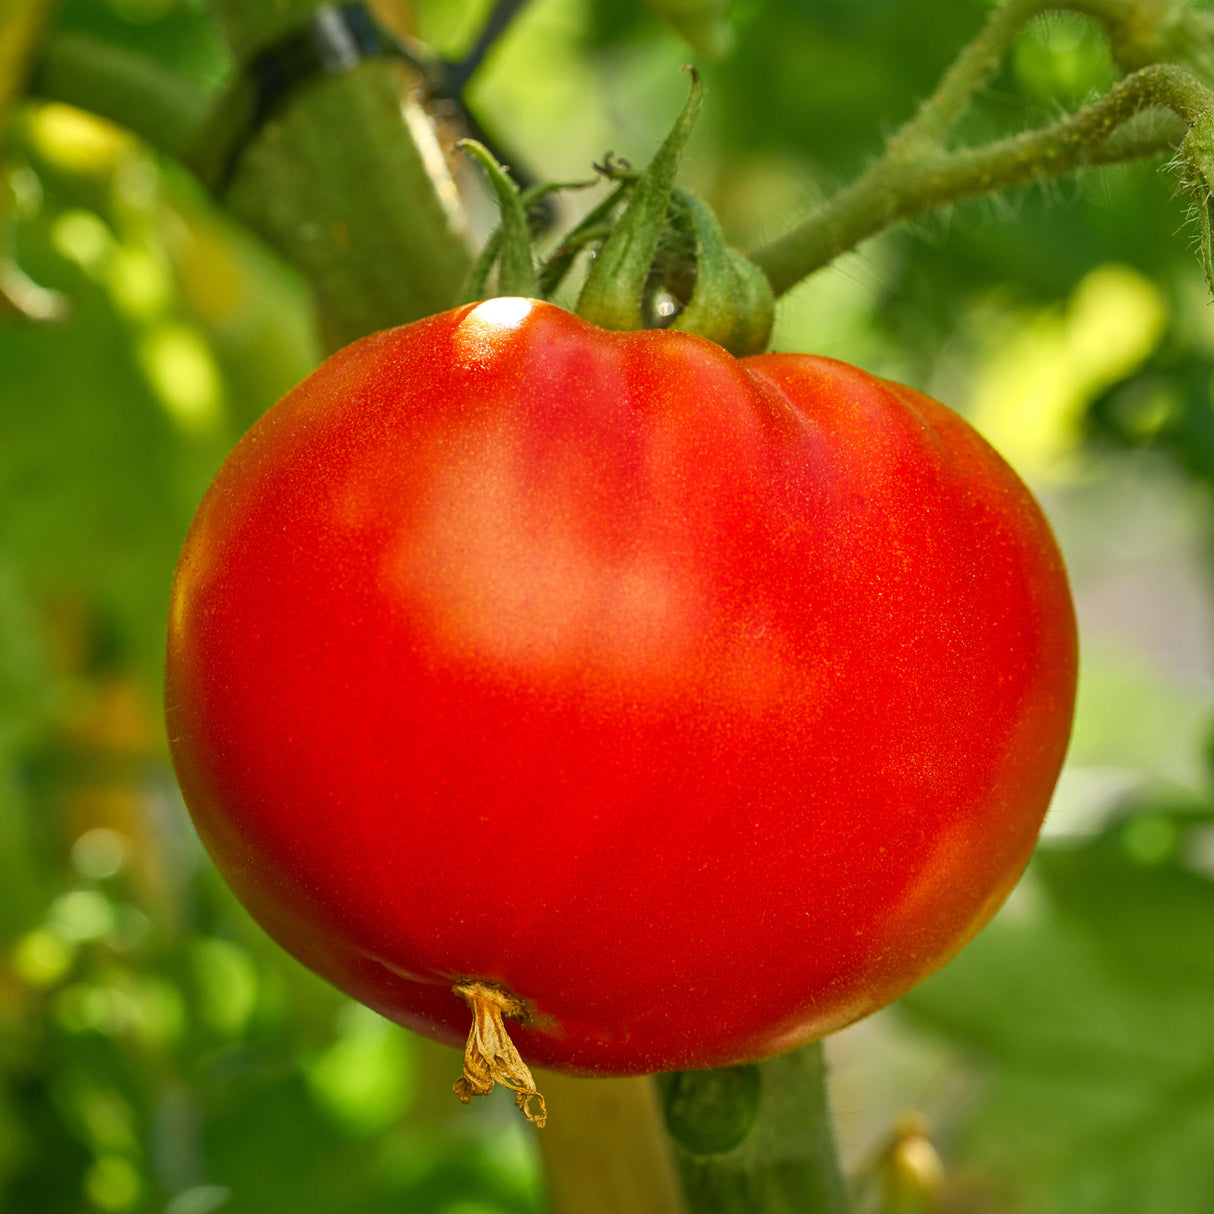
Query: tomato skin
x=705, y=704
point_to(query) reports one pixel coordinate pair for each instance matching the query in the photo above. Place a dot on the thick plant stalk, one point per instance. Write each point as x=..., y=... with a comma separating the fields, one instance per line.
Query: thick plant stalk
x=605, y=1149
x=347, y=179
x=757, y=1139
x=375, y=257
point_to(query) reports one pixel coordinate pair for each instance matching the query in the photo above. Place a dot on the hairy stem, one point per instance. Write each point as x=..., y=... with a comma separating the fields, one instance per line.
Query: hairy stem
x=978, y=61
x=897, y=188
x=939, y=114
x=915, y=174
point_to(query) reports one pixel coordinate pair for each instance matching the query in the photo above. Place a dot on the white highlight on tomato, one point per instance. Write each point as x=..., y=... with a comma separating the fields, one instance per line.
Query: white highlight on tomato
x=506, y=313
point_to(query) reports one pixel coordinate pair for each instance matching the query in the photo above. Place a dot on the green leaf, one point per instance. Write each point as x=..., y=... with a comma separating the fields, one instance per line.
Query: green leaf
x=1090, y=1007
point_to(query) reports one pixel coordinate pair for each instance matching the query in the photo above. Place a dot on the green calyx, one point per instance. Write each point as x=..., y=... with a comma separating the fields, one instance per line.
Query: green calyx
x=615, y=288
x=731, y=300
x=510, y=245
x=661, y=262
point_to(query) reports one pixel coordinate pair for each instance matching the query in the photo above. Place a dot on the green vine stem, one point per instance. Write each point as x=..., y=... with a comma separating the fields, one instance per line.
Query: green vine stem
x=896, y=188
x=916, y=174
x=754, y=1139
x=939, y=114
x=1141, y=32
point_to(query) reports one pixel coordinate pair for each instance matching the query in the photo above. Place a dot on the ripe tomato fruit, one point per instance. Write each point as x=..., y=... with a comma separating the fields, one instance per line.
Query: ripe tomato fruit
x=698, y=705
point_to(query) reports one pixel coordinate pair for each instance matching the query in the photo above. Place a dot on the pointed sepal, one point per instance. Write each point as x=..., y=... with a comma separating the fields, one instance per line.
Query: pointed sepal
x=732, y=301
x=510, y=246
x=614, y=291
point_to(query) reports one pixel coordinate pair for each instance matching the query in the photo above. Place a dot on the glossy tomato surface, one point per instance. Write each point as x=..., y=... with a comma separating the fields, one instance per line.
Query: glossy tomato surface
x=706, y=705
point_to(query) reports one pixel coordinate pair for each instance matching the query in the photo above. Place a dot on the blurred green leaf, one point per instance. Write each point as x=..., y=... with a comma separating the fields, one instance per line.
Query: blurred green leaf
x=1088, y=1007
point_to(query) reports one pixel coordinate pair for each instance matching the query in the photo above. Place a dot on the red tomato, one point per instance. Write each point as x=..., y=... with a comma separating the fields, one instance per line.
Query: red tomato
x=706, y=705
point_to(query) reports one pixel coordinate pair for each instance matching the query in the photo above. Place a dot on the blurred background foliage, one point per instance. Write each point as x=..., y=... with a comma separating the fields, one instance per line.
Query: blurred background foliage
x=157, y=1054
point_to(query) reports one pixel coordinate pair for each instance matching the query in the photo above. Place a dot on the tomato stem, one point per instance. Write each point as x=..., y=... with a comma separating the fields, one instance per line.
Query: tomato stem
x=917, y=174
x=895, y=189
x=1141, y=32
